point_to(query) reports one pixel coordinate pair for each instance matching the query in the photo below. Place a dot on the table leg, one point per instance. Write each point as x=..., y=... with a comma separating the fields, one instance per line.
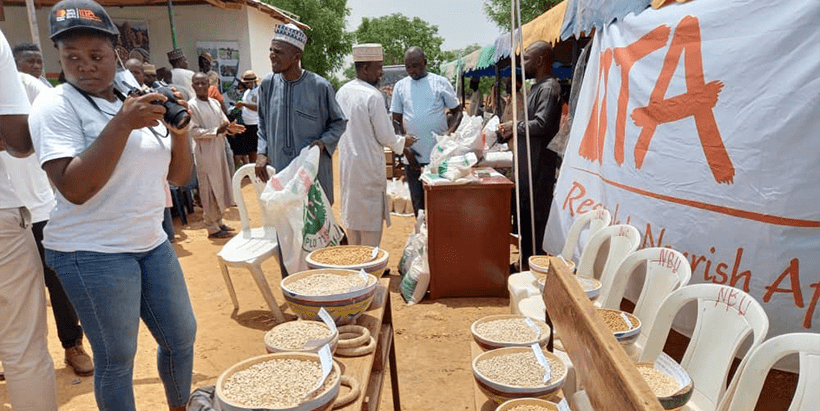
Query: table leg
x=391, y=356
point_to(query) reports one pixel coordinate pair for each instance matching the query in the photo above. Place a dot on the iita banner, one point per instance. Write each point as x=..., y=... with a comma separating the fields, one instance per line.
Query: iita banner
x=699, y=124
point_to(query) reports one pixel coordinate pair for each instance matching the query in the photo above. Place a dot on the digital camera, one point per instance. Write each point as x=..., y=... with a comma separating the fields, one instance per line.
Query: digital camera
x=176, y=115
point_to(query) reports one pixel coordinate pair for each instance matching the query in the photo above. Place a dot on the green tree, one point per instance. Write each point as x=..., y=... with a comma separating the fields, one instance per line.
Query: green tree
x=450, y=55
x=396, y=33
x=328, y=42
x=498, y=11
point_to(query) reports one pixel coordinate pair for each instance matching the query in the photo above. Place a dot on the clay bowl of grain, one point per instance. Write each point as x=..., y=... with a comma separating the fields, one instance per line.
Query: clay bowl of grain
x=540, y=265
x=528, y=404
x=513, y=372
x=625, y=326
x=344, y=294
x=591, y=286
x=300, y=336
x=669, y=381
x=508, y=330
x=349, y=257
x=277, y=382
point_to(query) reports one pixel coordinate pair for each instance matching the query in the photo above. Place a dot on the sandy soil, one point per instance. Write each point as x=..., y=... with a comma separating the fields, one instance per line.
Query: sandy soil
x=432, y=338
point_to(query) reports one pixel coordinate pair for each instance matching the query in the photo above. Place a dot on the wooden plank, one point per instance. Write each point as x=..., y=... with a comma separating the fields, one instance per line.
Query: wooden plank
x=609, y=376
x=361, y=368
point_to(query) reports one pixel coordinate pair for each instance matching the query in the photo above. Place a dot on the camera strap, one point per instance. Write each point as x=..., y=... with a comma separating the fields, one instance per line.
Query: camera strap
x=121, y=97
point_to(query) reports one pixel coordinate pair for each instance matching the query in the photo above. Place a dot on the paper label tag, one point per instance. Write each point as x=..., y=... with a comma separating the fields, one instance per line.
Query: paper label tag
x=326, y=359
x=534, y=327
x=669, y=366
x=626, y=318
x=539, y=355
x=374, y=253
x=328, y=320
x=563, y=405
x=365, y=277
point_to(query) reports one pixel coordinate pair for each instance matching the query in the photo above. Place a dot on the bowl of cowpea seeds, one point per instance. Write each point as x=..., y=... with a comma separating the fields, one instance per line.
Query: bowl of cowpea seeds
x=591, y=286
x=528, y=404
x=670, y=383
x=514, y=372
x=300, y=336
x=344, y=294
x=625, y=326
x=349, y=257
x=509, y=330
x=278, y=382
x=540, y=265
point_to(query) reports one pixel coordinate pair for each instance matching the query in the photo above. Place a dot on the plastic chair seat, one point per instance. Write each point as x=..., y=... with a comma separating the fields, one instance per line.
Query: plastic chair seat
x=245, y=249
x=521, y=285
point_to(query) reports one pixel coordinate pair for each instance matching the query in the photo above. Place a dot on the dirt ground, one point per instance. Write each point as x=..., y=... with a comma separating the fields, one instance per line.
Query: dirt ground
x=432, y=338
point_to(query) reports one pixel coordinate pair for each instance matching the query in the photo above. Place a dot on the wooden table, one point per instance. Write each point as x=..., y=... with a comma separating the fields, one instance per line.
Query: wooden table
x=468, y=228
x=370, y=369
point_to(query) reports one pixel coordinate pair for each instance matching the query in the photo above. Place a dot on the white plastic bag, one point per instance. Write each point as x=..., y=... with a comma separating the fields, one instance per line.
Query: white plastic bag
x=414, y=284
x=300, y=210
x=411, y=252
x=469, y=135
x=445, y=147
x=456, y=167
x=490, y=132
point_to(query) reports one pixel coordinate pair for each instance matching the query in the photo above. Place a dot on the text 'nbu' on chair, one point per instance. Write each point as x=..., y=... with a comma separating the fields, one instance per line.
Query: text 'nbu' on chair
x=251, y=246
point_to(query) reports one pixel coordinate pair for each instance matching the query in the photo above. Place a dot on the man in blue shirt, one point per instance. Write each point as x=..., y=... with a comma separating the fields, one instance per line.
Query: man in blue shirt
x=419, y=104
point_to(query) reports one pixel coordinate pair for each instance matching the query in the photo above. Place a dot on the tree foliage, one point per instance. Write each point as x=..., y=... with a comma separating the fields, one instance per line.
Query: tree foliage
x=328, y=42
x=450, y=55
x=498, y=11
x=396, y=33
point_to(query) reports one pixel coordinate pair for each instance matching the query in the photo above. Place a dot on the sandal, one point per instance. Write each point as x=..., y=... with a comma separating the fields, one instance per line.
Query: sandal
x=220, y=234
x=224, y=227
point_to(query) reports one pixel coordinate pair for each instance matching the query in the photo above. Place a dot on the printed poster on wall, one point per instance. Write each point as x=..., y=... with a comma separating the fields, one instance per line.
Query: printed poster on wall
x=133, y=35
x=698, y=124
x=225, y=63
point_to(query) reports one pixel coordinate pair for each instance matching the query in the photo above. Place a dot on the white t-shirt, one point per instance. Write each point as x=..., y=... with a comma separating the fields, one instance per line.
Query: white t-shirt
x=251, y=117
x=126, y=214
x=12, y=101
x=29, y=181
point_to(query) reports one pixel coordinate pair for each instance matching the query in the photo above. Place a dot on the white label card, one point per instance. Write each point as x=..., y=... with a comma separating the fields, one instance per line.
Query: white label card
x=563, y=405
x=326, y=359
x=534, y=327
x=539, y=355
x=364, y=276
x=374, y=253
x=626, y=318
x=328, y=320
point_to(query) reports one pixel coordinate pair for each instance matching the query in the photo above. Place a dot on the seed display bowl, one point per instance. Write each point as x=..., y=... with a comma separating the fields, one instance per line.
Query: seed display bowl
x=669, y=366
x=332, y=339
x=489, y=344
x=343, y=307
x=375, y=267
x=591, y=286
x=500, y=393
x=626, y=337
x=533, y=402
x=539, y=269
x=321, y=402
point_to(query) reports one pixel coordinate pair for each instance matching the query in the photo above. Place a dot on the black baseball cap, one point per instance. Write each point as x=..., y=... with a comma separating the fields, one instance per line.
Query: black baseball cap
x=70, y=15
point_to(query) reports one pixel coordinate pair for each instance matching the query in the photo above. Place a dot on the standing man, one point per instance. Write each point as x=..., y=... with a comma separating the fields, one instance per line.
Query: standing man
x=419, y=103
x=361, y=149
x=244, y=145
x=297, y=109
x=180, y=75
x=29, y=60
x=29, y=370
x=544, y=110
x=208, y=128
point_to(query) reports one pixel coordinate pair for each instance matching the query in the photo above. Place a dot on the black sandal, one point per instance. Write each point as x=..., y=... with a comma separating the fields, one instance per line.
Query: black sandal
x=220, y=234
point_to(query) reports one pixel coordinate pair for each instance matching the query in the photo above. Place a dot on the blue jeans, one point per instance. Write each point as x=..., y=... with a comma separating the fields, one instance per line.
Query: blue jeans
x=111, y=292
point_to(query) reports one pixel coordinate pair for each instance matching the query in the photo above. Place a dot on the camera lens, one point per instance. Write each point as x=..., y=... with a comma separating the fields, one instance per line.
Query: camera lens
x=175, y=115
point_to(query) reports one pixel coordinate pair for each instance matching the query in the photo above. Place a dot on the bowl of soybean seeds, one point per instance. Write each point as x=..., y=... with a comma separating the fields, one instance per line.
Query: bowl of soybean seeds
x=625, y=326
x=514, y=372
x=591, y=286
x=344, y=294
x=349, y=257
x=671, y=385
x=509, y=330
x=278, y=382
x=528, y=404
x=540, y=265
x=300, y=336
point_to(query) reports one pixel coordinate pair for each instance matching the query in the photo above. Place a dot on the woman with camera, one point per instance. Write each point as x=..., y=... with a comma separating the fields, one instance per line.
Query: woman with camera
x=108, y=155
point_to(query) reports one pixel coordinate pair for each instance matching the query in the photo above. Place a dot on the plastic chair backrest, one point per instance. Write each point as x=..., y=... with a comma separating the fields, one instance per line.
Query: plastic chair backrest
x=726, y=316
x=666, y=270
x=750, y=383
x=596, y=220
x=248, y=171
x=617, y=241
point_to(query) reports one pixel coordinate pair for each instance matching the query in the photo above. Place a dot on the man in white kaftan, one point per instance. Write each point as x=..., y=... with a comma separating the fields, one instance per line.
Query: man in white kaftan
x=208, y=128
x=361, y=149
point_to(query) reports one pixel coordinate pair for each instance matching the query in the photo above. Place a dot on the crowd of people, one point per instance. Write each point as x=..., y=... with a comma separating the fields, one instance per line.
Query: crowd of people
x=68, y=180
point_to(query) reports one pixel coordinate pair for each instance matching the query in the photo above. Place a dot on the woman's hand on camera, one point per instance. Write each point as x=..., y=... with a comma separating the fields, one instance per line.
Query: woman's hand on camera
x=140, y=111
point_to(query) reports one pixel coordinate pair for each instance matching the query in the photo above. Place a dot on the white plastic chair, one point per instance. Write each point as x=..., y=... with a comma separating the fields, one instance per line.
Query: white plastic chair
x=665, y=270
x=251, y=246
x=726, y=317
x=611, y=244
x=750, y=383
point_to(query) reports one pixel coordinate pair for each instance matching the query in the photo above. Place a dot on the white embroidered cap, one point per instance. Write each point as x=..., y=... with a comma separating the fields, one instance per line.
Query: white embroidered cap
x=368, y=52
x=291, y=34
